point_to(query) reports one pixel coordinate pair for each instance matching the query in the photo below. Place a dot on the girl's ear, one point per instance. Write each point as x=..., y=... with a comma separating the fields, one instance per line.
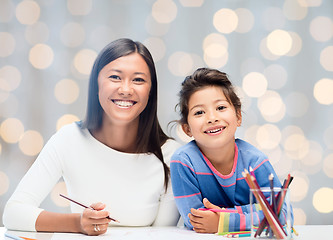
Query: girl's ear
x=186, y=129
x=239, y=118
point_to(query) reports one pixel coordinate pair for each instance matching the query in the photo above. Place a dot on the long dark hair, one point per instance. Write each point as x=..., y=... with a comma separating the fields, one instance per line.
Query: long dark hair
x=150, y=136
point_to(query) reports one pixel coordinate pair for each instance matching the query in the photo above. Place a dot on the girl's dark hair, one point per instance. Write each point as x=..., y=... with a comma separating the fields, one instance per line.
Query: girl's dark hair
x=150, y=136
x=201, y=78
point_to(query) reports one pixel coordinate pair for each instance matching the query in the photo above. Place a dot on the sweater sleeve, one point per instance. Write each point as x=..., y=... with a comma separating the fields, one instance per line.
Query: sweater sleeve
x=22, y=209
x=185, y=187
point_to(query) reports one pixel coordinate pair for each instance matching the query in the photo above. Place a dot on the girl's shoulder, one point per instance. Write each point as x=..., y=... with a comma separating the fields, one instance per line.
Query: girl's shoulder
x=249, y=153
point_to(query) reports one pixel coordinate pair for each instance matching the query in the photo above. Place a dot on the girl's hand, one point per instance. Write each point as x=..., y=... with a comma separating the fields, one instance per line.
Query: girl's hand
x=93, y=220
x=205, y=221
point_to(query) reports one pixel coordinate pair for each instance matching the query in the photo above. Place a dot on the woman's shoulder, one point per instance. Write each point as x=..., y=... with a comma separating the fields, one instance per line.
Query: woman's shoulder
x=69, y=131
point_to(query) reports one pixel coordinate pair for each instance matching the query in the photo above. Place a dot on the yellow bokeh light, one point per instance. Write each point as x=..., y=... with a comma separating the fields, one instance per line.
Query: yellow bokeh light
x=214, y=62
x=310, y=3
x=4, y=186
x=265, y=52
x=225, y=20
x=300, y=186
x=66, y=119
x=312, y=161
x=296, y=146
x=245, y=20
x=180, y=64
x=84, y=61
x=157, y=47
x=215, y=38
x=279, y=42
x=323, y=91
x=66, y=91
x=59, y=188
x=72, y=34
x=27, y=12
x=7, y=45
x=299, y=216
x=268, y=136
x=251, y=133
x=254, y=84
x=328, y=165
x=164, y=11
x=10, y=78
x=323, y=199
x=293, y=10
x=271, y=106
x=215, y=50
x=321, y=28
x=79, y=7
x=326, y=58
x=31, y=143
x=11, y=130
x=296, y=46
x=41, y=56
x=191, y=3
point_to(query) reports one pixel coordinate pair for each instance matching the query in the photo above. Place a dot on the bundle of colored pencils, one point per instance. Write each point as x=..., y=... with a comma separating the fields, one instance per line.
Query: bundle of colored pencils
x=271, y=211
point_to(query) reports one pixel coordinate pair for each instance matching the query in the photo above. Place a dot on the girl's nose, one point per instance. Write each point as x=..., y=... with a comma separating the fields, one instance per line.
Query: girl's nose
x=211, y=118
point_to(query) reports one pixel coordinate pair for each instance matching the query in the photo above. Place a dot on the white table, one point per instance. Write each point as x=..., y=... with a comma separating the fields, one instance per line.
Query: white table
x=306, y=232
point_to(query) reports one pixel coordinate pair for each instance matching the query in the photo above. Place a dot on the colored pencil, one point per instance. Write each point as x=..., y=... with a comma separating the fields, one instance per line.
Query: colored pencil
x=13, y=236
x=219, y=210
x=82, y=205
x=267, y=210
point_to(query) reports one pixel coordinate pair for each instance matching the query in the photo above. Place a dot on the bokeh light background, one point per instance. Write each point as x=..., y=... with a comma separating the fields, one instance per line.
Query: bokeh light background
x=279, y=54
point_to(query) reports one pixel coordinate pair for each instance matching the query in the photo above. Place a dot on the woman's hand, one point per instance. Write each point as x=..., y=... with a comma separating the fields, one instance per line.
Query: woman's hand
x=93, y=220
x=205, y=221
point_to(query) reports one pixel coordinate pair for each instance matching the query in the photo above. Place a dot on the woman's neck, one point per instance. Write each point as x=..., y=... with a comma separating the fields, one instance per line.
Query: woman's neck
x=119, y=137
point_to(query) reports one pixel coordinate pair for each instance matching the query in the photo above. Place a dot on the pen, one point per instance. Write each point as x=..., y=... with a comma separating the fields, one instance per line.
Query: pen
x=85, y=206
x=13, y=236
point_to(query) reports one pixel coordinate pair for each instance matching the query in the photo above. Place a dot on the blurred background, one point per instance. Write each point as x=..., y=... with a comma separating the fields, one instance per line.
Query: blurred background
x=279, y=54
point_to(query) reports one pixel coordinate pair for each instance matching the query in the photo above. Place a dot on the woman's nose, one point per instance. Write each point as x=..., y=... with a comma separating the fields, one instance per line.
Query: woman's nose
x=125, y=88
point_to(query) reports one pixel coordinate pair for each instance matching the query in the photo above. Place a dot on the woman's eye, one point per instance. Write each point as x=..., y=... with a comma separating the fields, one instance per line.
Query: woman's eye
x=221, y=108
x=139, y=80
x=114, y=77
x=198, y=112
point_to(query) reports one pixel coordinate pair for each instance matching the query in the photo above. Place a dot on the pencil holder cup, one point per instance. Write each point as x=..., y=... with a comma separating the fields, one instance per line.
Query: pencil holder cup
x=270, y=216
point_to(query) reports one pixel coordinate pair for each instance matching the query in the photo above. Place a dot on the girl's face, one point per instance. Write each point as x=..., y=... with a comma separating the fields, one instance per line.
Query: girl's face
x=123, y=89
x=212, y=120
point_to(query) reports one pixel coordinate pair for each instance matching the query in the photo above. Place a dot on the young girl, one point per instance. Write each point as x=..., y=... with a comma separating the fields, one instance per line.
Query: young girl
x=207, y=172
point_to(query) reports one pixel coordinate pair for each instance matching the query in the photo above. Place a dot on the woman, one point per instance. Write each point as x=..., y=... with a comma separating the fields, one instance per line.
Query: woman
x=116, y=158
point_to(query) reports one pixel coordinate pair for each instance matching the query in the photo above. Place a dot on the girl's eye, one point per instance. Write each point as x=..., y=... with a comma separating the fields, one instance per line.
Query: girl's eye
x=199, y=112
x=220, y=108
x=114, y=77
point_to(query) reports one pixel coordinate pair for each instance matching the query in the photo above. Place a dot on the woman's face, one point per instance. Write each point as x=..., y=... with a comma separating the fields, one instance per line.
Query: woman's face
x=123, y=89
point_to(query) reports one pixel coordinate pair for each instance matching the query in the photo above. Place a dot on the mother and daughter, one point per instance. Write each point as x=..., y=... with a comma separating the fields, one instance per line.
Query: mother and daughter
x=117, y=159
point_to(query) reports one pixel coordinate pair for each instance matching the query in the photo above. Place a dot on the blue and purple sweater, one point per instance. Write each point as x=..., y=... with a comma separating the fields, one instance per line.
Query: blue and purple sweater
x=194, y=178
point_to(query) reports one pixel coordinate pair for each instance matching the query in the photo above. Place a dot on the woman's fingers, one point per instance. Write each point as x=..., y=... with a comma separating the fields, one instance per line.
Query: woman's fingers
x=94, y=220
